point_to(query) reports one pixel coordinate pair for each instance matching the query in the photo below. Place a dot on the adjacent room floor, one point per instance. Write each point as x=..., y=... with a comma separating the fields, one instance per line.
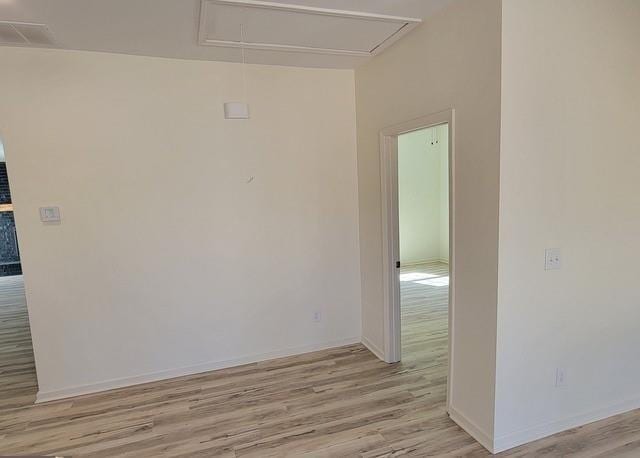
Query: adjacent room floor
x=340, y=402
x=18, y=383
x=424, y=291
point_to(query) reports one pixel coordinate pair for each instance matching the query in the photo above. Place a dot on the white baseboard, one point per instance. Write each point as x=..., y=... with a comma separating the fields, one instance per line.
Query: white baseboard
x=540, y=431
x=474, y=431
x=424, y=261
x=52, y=395
x=373, y=348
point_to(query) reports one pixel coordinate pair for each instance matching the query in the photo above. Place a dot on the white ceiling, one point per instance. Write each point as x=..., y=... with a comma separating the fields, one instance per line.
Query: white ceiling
x=169, y=28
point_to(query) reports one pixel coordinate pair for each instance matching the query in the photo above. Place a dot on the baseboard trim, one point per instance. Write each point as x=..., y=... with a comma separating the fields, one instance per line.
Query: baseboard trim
x=425, y=261
x=474, y=431
x=54, y=395
x=540, y=431
x=373, y=348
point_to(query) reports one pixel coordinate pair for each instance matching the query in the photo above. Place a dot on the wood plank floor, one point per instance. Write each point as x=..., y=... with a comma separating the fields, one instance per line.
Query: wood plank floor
x=335, y=403
x=18, y=383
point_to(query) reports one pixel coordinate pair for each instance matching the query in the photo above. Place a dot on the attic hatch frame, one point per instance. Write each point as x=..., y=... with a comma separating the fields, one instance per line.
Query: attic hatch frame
x=405, y=25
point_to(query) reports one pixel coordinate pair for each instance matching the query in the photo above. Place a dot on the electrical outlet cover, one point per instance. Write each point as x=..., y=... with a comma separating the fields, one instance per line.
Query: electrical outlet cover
x=552, y=259
x=561, y=377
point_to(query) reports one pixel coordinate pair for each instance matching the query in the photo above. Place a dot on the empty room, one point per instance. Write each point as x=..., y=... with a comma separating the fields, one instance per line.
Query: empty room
x=423, y=222
x=319, y=228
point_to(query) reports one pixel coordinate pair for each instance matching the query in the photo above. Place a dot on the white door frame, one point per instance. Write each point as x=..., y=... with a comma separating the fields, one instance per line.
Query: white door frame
x=391, y=237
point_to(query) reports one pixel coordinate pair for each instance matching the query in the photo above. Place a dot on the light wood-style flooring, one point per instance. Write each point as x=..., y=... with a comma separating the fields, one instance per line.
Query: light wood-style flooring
x=334, y=403
x=18, y=383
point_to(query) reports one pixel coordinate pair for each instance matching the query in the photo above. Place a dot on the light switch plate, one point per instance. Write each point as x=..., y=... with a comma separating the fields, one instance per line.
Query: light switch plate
x=50, y=214
x=552, y=259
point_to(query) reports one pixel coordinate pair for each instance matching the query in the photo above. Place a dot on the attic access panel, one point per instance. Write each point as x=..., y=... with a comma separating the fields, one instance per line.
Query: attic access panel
x=282, y=27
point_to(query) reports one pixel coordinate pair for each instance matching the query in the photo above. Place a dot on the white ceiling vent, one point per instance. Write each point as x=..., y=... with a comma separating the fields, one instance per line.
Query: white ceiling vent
x=25, y=34
x=282, y=27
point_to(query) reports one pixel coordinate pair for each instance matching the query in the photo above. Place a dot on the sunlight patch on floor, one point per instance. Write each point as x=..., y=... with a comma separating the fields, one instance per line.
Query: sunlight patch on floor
x=414, y=276
x=440, y=281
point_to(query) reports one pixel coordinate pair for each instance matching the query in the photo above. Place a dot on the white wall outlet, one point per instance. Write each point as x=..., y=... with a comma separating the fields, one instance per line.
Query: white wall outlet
x=236, y=110
x=317, y=316
x=552, y=259
x=561, y=377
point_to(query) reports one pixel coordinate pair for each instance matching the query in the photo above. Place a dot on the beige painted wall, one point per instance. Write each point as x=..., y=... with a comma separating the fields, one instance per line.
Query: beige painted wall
x=423, y=195
x=443, y=144
x=168, y=260
x=570, y=168
x=450, y=61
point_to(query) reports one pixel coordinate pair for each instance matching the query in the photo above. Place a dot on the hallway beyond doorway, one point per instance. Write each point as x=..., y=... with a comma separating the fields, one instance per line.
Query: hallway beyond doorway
x=18, y=382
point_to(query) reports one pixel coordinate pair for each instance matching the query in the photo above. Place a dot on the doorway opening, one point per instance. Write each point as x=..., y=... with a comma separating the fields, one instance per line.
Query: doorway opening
x=18, y=385
x=417, y=164
x=423, y=223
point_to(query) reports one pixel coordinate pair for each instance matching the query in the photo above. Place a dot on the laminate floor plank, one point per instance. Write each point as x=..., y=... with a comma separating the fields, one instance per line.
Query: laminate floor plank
x=341, y=402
